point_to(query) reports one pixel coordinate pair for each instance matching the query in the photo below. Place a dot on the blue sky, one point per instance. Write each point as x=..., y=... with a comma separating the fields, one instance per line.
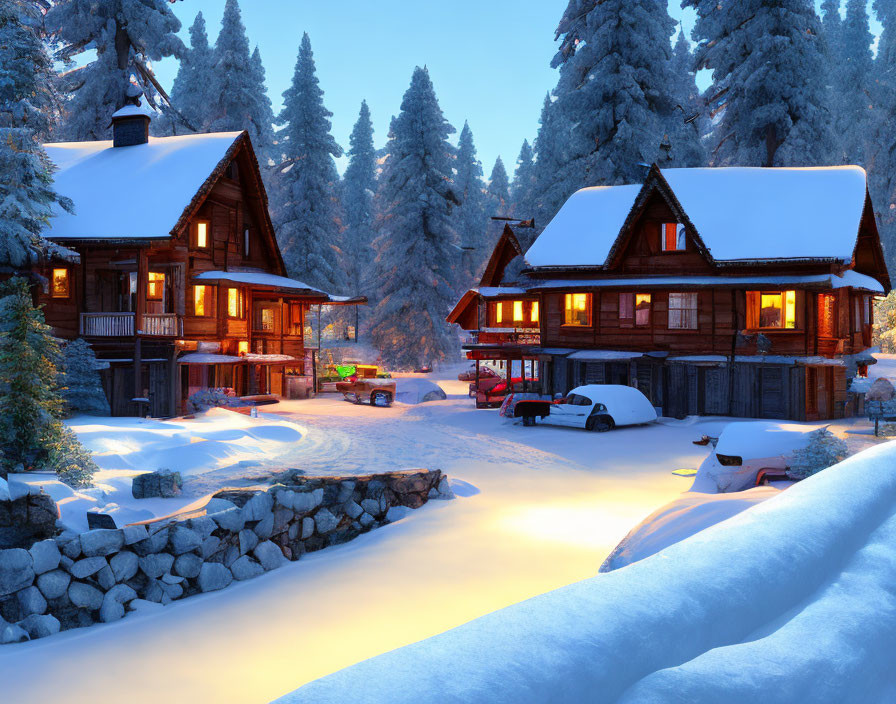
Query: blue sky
x=489, y=59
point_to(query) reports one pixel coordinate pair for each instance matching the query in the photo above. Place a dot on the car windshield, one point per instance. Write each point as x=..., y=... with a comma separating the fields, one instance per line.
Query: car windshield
x=580, y=400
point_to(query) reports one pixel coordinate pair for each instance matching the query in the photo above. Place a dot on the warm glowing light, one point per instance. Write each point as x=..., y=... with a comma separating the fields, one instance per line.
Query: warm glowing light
x=156, y=287
x=202, y=234
x=243, y=348
x=233, y=303
x=642, y=309
x=777, y=310
x=60, y=283
x=200, y=296
x=499, y=312
x=577, y=309
x=790, y=309
x=534, y=316
x=517, y=311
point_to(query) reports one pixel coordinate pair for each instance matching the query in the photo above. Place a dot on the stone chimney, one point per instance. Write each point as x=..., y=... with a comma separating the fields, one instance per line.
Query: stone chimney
x=130, y=125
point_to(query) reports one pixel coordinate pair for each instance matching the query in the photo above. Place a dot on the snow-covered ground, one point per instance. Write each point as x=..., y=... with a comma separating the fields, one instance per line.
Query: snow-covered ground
x=537, y=509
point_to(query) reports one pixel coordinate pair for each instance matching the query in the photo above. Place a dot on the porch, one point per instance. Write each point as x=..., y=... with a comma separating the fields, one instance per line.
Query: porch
x=124, y=324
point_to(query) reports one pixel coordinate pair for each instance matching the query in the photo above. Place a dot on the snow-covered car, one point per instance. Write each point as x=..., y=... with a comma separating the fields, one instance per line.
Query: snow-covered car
x=377, y=392
x=601, y=407
x=747, y=451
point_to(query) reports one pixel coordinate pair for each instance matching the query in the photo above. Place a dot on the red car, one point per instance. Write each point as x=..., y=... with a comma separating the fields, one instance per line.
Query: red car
x=491, y=392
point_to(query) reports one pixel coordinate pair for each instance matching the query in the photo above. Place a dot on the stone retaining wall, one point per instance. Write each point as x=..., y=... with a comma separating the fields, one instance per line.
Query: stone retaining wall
x=74, y=580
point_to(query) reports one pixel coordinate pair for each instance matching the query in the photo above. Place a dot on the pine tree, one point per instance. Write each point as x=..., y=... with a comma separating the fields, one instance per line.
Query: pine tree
x=190, y=92
x=27, y=101
x=358, y=187
x=833, y=27
x=498, y=190
x=823, y=450
x=769, y=82
x=853, y=86
x=882, y=142
x=551, y=153
x=472, y=219
x=415, y=266
x=686, y=125
x=306, y=215
x=522, y=192
x=236, y=85
x=613, y=90
x=126, y=36
x=82, y=390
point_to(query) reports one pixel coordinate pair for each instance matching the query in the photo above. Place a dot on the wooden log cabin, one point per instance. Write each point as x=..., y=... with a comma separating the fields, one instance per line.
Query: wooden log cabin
x=178, y=283
x=719, y=291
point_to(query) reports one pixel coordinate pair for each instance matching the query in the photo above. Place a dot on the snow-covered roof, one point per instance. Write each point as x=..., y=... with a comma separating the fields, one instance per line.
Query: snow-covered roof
x=256, y=278
x=849, y=278
x=137, y=192
x=133, y=111
x=208, y=358
x=740, y=213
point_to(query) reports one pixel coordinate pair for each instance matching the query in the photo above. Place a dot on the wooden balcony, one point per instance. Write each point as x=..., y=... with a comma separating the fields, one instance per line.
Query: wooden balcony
x=122, y=325
x=507, y=336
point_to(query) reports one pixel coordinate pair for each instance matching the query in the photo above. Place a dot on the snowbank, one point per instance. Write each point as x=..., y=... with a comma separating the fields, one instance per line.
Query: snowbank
x=680, y=519
x=413, y=390
x=791, y=600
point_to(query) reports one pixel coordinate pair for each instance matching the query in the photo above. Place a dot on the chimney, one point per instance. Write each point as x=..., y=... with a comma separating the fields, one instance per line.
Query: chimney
x=130, y=125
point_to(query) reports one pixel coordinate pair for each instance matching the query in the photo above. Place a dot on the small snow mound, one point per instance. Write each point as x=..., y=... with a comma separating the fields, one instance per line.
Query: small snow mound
x=412, y=391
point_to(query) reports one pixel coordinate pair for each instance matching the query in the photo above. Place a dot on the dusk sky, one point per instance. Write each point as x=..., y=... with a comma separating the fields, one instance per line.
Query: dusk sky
x=489, y=59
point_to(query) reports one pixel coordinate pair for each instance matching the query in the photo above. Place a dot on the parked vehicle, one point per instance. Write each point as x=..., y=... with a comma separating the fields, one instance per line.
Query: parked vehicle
x=598, y=407
x=484, y=373
x=490, y=393
x=749, y=454
x=376, y=392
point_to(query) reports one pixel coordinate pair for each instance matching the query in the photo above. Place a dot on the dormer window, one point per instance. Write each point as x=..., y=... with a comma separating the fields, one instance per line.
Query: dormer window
x=672, y=237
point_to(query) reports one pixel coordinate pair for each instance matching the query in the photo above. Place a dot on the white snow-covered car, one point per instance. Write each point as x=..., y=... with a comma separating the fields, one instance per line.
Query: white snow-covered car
x=601, y=407
x=746, y=450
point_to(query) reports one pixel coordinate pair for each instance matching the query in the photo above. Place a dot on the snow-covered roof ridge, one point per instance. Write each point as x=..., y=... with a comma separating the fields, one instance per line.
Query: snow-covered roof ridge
x=157, y=181
x=739, y=213
x=262, y=278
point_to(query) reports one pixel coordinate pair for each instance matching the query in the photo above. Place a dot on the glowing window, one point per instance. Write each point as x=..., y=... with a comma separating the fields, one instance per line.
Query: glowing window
x=243, y=348
x=534, y=315
x=517, y=311
x=155, y=290
x=642, y=309
x=267, y=319
x=234, y=303
x=577, y=309
x=202, y=234
x=202, y=301
x=777, y=310
x=60, y=285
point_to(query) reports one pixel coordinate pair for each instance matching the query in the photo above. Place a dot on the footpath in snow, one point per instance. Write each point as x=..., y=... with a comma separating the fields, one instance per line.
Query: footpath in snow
x=792, y=600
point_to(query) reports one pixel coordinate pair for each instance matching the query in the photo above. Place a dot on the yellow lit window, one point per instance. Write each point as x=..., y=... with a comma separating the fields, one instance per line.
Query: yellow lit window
x=234, y=303
x=267, y=319
x=577, y=309
x=201, y=301
x=499, y=312
x=517, y=311
x=243, y=348
x=642, y=309
x=155, y=290
x=202, y=234
x=777, y=310
x=534, y=316
x=60, y=286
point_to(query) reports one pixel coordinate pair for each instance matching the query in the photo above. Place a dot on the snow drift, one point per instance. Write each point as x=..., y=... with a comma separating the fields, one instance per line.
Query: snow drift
x=791, y=600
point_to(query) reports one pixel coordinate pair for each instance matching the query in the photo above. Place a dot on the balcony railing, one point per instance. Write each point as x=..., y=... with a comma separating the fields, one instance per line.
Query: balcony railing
x=122, y=325
x=507, y=336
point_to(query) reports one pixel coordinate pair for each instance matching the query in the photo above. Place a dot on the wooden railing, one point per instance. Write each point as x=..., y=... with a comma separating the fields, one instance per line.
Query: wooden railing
x=122, y=325
x=162, y=325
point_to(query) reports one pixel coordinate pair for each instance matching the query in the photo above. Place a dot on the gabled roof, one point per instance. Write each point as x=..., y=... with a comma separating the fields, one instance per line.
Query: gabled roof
x=138, y=192
x=261, y=279
x=739, y=215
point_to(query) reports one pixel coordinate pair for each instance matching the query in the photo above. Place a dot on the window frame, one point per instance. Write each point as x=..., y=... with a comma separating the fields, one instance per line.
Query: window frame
x=240, y=303
x=632, y=320
x=681, y=243
x=154, y=285
x=754, y=310
x=696, y=309
x=208, y=301
x=54, y=292
x=569, y=307
x=502, y=315
x=208, y=235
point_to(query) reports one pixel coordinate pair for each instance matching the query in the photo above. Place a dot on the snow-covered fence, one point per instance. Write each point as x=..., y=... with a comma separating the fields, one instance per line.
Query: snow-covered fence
x=74, y=580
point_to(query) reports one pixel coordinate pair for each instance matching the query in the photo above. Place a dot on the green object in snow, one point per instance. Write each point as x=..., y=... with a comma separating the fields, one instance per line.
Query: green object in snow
x=345, y=370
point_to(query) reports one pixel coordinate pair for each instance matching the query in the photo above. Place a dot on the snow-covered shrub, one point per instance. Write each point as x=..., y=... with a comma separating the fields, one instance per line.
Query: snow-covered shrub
x=823, y=450
x=210, y=398
x=70, y=459
x=80, y=381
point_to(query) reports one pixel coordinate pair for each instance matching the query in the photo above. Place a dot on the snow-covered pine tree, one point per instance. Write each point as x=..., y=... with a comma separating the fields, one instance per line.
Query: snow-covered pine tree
x=126, y=36
x=852, y=94
x=357, y=191
x=551, y=149
x=306, y=214
x=832, y=23
x=262, y=117
x=31, y=434
x=82, y=390
x=190, y=92
x=882, y=142
x=687, y=124
x=27, y=101
x=613, y=89
x=236, y=85
x=522, y=191
x=769, y=82
x=472, y=220
x=498, y=190
x=416, y=253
